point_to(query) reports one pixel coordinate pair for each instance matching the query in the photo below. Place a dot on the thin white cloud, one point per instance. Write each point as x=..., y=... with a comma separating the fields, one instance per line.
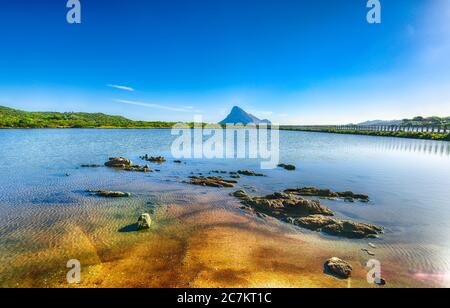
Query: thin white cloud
x=124, y=88
x=148, y=105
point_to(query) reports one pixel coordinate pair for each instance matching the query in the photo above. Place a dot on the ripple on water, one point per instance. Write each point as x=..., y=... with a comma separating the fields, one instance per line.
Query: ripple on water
x=200, y=237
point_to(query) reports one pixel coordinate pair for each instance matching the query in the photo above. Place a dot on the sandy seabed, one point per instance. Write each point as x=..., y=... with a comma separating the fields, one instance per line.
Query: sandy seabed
x=204, y=240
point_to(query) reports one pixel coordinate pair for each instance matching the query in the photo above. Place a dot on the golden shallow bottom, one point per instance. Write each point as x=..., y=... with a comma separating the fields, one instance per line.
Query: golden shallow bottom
x=190, y=246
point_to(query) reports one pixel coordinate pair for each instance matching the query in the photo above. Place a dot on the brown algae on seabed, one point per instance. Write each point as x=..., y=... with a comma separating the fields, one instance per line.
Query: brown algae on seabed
x=209, y=242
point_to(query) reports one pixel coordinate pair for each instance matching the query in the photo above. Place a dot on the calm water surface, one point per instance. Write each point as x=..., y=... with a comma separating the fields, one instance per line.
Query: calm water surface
x=42, y=184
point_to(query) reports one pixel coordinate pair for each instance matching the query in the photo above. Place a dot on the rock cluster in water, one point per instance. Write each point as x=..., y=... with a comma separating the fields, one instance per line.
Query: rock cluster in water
x=282, y=205
x=289, y=206
x=308, y=214
x=233, y=175
x=118, y=162
x=326, y=193
x=249, y=173
x=212, y=181
x=126, y=165
x=337, y=227
x=152, y=159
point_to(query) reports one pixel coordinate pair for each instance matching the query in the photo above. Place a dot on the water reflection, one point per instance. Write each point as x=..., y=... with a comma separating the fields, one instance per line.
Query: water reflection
x=430, y=147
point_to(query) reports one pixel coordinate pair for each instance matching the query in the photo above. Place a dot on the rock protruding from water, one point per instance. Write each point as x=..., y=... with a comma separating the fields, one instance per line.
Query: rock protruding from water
x=337, y=227
x=241, y=194
x=307, y=214
x=287, y=167
x=154, y=159
x=249, y=173
x=110, y=194
x=126, y=165
x=338, y=268
x=283, y=205
x=144, y=222
x=212, y=181
x=327, y=193
x=118, y=162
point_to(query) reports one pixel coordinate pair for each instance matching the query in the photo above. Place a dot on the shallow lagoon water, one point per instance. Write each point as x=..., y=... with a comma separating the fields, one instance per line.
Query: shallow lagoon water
x=200, y=236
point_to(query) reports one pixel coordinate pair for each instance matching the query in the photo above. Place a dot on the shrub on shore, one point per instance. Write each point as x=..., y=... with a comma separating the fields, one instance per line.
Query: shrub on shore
x=399, y=134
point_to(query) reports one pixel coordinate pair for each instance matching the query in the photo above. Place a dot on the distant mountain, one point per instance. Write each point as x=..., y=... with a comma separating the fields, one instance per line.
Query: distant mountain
x=381, y=122
x=239, y=116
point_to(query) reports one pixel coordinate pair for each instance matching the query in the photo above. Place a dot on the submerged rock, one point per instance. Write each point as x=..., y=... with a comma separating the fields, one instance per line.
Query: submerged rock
x=370, y=253
x=110, y=194
x=212, y=181
x=338, y=268
x=219, y=172
x=137, y=168
x=249, y=173
x=234, y=175
x=144, y=222
x=90, y=166
x=287, y=167
x=337, y=227
x=283, y=205
x=118, y=162
x=327, y=193
x=157, y=159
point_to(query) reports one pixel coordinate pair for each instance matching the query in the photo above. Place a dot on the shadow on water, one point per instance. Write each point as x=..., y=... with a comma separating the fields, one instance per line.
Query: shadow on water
x=129, y=229
x=327, y=272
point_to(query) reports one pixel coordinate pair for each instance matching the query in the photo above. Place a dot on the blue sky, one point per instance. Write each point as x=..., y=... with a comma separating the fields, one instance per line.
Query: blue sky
x=293, y=61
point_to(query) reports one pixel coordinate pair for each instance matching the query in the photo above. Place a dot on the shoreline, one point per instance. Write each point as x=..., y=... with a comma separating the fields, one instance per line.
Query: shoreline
x=403, y=135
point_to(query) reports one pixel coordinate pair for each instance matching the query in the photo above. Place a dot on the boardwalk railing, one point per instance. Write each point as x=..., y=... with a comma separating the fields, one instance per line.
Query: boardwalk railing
x=378, y=128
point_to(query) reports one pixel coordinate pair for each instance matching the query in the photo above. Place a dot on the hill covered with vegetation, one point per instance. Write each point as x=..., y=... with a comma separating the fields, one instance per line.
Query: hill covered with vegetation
x=398, y=134
x=431, y=121
x=12, y=118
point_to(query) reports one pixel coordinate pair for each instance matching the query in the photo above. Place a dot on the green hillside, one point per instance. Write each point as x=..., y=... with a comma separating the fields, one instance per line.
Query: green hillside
x=431, y=121
x=12, y=118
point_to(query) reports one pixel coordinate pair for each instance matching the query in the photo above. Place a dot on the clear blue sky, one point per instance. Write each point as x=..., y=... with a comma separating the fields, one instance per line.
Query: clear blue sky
x=292, y=61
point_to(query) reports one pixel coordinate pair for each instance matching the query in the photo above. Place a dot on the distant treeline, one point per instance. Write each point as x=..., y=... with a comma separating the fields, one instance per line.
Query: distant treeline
x=431, y=121
x=12, y=118
x=398, y=134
